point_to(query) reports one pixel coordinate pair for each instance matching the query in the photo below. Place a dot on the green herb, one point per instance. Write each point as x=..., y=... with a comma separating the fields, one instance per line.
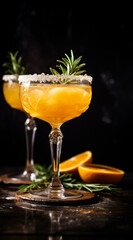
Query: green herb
x=14, y=65
x=68, y=182
x=44, y=174
x=33, y=185
x=43, y=171
x=69, y=65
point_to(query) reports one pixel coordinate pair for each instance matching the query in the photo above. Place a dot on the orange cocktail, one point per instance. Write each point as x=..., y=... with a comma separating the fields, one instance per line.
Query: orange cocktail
x=11, y=94
x=56, y=103
x=48, y=98
x=12, y=97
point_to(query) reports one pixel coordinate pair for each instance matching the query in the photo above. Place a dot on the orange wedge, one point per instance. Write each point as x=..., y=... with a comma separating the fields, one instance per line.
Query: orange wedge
x=97, y=173
x=71, y=165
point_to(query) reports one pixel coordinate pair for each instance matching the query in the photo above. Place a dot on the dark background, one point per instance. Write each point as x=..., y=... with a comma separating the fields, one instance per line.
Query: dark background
x=103, y=34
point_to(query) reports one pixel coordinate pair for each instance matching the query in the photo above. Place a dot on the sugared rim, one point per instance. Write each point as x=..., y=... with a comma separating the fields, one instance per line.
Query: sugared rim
x=47, y=78
x=9, y=77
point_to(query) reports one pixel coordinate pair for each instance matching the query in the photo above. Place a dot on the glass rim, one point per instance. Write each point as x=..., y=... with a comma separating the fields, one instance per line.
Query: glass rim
x=55, y=79
x=9, y=77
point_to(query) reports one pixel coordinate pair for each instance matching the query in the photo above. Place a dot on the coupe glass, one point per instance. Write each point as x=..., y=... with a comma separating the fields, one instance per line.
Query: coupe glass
x=11, y=95
x=46, y=97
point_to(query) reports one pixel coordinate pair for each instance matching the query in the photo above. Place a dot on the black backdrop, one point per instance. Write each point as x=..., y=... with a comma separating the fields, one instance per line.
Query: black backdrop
x=102, y=34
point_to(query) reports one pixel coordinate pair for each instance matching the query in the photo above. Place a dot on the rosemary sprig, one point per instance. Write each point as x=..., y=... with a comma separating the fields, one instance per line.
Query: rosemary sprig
x=14, y=64
x=43, y=171
x=44, y=174
x=68, y=182
x=69, y=66
x=33, y=185
x=91, y=187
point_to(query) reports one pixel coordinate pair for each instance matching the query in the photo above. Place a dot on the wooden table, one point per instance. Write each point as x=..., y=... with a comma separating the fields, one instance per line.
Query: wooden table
x=111, y=217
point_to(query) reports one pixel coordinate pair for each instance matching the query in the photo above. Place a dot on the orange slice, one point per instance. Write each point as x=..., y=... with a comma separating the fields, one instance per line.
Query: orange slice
x=97, y=173
x=71, y=165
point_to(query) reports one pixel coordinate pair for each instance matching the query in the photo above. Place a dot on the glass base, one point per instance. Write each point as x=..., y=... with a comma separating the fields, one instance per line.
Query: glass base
x=56, y=194
x=24, y=176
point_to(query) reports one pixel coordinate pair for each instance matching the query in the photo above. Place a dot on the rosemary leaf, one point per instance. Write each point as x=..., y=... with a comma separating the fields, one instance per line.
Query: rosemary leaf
x=14, y=64
x=68, y=66
x=45, y=175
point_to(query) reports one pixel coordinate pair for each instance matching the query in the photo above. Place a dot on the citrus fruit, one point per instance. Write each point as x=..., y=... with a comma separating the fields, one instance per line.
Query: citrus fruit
x=71, y=165
x=98, y=173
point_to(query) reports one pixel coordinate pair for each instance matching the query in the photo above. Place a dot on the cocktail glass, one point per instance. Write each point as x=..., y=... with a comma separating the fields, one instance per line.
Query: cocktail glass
x=11, y=95
x=46, y=97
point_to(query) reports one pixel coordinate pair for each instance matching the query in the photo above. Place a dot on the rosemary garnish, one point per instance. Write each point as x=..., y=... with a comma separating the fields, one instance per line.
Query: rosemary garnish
x=14, y=65
x=69, y=66
x=67, y=180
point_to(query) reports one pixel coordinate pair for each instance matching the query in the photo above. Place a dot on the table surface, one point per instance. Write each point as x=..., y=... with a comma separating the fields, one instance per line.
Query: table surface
x=111, y=216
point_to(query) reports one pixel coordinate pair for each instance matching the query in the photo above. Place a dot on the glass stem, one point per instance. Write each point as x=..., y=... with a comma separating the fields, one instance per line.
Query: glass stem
x=55, y=138
x=30, y=130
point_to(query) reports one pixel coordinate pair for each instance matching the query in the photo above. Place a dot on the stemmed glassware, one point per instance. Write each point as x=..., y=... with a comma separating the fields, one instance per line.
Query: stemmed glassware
x=11, y=94
x=48, y=98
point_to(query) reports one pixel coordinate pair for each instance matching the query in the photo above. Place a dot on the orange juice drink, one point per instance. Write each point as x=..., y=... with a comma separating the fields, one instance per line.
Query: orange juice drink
x=11, y=94
x=56, y=103
x=55, y=99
